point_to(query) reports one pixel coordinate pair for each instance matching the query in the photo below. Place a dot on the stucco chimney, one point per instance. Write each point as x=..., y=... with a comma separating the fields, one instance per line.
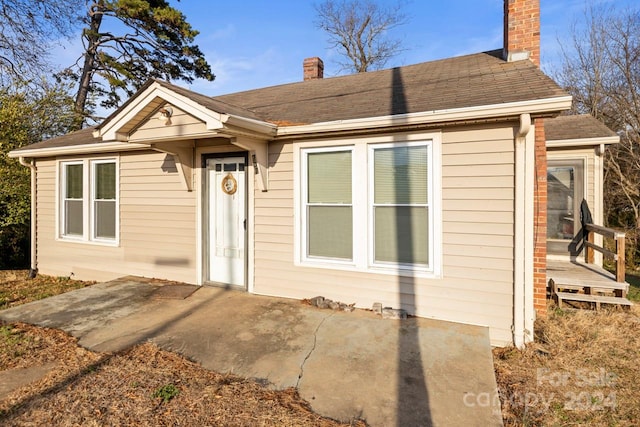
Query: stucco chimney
x=313, y=68
x=522, y=30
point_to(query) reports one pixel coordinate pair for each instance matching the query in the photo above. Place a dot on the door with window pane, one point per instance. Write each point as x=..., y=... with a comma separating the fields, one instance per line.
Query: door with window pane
x=226, y=220
x=565, y=192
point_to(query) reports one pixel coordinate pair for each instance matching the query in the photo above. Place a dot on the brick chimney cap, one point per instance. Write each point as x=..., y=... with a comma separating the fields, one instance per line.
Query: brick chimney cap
x=312, y=68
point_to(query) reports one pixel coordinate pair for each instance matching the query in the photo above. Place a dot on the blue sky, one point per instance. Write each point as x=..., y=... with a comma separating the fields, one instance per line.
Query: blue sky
x=257, y=43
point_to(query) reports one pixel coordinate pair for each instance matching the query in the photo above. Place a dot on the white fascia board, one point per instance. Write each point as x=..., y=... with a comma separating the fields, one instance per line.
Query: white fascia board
x=587, y=142
x=100, y=147
x=109, y=131
x=258, y=126
x=539, y=106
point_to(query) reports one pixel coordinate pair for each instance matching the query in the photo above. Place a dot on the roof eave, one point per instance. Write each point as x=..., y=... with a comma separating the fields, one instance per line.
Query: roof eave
x=94, y=148
x=582, y=142
x=534, y=107
x=257, y=126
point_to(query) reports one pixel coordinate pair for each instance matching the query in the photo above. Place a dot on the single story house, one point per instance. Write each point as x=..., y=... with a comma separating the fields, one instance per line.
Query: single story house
x=422, y=187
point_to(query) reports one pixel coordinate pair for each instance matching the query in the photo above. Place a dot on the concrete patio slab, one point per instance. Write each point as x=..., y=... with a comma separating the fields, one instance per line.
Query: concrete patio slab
x=416, y=372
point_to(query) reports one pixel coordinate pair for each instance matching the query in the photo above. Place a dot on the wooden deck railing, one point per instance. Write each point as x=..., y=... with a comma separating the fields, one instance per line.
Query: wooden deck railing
x=617, y=256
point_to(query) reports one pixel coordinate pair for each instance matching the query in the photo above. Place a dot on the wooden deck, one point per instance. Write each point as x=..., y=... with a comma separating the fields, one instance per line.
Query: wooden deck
x=579, y=281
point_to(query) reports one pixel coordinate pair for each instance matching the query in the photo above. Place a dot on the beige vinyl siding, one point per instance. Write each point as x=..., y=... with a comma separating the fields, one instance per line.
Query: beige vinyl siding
x=477, y=233
x=157, y=225
x=181, y=124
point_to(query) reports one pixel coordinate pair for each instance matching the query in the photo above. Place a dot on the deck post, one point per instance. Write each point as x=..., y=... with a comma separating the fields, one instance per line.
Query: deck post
x=589, y=252
x=620, y=262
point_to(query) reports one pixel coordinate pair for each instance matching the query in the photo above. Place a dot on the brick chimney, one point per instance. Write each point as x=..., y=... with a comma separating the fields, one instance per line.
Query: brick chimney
x=522, y=30
x=313, y=68
x=521, y=42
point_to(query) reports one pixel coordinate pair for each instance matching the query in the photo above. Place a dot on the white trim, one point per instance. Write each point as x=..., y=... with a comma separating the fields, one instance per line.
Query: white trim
x=61, y=207
x=371, y=205
x=567, y=157
x=213, y=120
x=584, y=159
x=529, y=236
x=216, y=122
x=436, y=190
x=305, y=258
x=360, y=200
x=94, y=148
x=519, y=229
x=548, y=105
x=200, y=181
x=110, y=129
x=265, y=128
x=523, y=294
x=580, y=142
x=251, y=178
x=88, y=210
x=598, y=200
x=92, y=202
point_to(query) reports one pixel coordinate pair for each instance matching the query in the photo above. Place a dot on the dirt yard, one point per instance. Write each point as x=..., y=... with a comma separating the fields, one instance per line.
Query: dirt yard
x=583, y=369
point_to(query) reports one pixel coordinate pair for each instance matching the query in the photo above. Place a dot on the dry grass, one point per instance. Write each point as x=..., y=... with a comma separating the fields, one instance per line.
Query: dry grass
x=582, y=370
x=633, y=278
x=142, y=386
x=15, y=289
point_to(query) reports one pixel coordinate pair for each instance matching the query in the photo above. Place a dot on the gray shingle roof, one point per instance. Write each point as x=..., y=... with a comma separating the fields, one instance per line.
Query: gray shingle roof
x=465, y=81
x=575, y=127
x=83, y=136
x=214, y=104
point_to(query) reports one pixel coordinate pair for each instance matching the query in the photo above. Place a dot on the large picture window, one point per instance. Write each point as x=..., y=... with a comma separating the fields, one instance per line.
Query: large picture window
x=369, y=207
x=88, y=201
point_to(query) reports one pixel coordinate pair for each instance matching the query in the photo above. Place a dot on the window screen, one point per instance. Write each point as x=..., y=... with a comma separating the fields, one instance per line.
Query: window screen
x=329, y=205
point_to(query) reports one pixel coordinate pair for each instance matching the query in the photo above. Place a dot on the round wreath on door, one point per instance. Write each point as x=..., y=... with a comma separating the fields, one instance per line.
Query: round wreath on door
x=229, y=184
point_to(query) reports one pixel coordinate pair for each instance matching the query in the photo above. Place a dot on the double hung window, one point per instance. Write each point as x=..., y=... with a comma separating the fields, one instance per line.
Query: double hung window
x=88, y=200
x=399, y=197
x=368, y=206
x=328, y=203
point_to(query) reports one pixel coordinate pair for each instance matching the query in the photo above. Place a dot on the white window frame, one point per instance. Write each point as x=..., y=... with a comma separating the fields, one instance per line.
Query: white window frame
x=304, y=209
x=371, y=207
x=92, y=199
x=88, y=202
x=362, y=170
x=63, y=198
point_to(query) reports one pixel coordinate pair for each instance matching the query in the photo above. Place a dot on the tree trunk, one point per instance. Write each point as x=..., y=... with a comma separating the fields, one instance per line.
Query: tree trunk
x=93, y=38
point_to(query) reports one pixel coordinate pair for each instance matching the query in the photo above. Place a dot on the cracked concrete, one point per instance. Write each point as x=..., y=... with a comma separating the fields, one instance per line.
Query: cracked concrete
x=315, y=341
x=347, y=365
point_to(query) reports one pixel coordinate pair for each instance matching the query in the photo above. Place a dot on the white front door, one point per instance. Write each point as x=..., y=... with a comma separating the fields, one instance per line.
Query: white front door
x=226, y=234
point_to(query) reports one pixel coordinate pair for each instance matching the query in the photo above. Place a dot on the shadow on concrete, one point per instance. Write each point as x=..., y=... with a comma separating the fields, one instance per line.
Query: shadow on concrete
x=413, y=396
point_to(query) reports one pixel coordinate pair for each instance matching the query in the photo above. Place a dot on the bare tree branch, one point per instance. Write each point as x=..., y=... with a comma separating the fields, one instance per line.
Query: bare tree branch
x=360, y=30
x=601, y=69
x=27, y=29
